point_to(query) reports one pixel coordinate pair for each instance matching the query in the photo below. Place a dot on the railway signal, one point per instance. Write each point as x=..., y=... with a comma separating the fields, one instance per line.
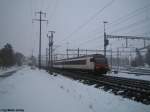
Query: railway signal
x=106, y=42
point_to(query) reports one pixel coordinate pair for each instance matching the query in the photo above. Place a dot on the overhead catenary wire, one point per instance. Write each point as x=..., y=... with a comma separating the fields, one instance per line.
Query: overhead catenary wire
x=132, y=25
x=129, y=16
x=32, y=27
x=126, y=17
x=128, y=26
x=119, y=20
x=139, y=28
x=98, y=37
x=86, y=22
x=54, y=9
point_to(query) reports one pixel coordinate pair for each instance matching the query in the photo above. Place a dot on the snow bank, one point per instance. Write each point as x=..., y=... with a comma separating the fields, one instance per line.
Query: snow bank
x=37, y=91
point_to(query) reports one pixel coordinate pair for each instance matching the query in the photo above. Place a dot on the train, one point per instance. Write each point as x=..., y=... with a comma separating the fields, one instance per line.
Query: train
x=95, y=63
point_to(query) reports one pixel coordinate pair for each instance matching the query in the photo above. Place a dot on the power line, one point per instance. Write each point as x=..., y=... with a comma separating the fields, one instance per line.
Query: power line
x=91, y=18
x=54, y=10
x=129, y=15
x=119, y=20
x=124, y=18
x=128, y=26
x=138, y=28
x=132, y=25
x=90, y=40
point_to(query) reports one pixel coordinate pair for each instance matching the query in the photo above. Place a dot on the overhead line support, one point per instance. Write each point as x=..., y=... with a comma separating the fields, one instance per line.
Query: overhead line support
x=40, y=20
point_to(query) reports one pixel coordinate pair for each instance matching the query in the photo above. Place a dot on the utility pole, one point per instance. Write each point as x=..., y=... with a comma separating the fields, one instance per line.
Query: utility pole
x=49, y=39
x=40, y=20
x=111, y=59
x=67, y=53
x=111, y=55
x=86, y=52
x=67, y=50
x=118, y=59
x=51, y=48
x=105, y=39
x=78, y=52
x=46, y=58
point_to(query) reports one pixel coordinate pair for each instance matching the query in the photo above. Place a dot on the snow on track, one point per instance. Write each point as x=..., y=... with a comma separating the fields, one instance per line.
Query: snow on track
x=37, y=91
x=132, y=76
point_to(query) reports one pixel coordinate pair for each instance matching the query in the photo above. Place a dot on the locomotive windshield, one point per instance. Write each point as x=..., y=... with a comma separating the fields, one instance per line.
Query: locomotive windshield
x=100, y=60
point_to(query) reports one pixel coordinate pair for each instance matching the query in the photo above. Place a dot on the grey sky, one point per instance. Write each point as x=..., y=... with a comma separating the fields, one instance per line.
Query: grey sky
x=64, y=17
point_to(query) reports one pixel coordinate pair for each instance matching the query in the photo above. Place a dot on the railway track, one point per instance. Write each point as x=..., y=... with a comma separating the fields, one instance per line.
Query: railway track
x=132, y=84
x=138, y=90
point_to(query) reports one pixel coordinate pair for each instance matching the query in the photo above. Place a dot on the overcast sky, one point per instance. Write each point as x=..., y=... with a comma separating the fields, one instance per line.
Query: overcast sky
x=76, y=22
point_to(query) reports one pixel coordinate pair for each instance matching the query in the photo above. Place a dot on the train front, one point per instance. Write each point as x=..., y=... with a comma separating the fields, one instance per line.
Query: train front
x=101, y=65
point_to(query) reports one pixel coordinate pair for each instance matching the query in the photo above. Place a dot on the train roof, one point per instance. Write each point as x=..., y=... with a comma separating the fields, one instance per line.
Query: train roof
x=91, y=55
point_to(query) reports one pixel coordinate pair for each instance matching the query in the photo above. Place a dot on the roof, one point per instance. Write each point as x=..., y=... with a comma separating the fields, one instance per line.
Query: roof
x=91, y=55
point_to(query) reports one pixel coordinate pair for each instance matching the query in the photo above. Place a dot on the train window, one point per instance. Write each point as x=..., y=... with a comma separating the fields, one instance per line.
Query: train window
x=79, y=62
x=75, y=62
x=100, y=60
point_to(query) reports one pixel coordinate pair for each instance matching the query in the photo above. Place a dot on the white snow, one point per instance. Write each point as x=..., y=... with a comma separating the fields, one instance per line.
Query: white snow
x=37, y=91
x=10, y=69
x=132, y=76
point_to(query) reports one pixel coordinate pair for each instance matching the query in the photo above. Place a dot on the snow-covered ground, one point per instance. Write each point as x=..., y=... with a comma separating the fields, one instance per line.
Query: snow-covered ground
x=10, y=69
x=133, y=76
x=37, y=91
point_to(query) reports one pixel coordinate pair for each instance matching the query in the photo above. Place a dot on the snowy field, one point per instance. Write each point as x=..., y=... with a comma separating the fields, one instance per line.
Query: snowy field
x=37, y=91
